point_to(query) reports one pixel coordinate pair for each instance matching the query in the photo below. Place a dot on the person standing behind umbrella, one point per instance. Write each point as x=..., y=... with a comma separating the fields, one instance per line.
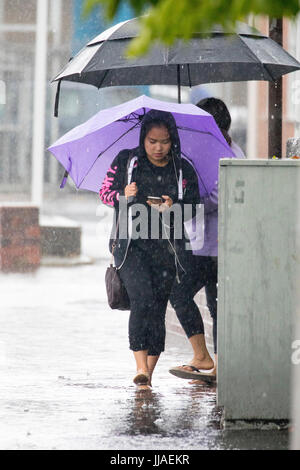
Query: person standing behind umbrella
x=147, y=266
x=202, y=271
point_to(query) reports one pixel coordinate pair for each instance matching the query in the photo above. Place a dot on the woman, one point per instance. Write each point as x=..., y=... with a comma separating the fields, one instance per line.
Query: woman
x=202, y=271
x=148, y=266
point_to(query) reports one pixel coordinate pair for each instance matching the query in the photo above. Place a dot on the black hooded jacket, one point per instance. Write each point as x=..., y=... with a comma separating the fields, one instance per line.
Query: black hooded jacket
x=151, y=180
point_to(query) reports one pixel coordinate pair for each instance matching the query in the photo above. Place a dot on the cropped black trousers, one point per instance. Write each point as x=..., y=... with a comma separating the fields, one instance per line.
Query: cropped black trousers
x=148, y=275
x=201, y=272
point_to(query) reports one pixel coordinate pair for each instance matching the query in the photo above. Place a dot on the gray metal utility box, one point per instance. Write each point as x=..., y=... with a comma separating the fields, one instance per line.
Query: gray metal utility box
x=257, y=281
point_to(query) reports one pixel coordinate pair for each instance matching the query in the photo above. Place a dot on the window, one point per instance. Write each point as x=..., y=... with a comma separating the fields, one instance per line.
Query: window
x=15, y=125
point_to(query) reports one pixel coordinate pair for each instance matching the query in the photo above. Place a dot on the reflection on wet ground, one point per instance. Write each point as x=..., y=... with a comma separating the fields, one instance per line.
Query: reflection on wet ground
x=67, y=376
x=191, y=411
x=192, y=422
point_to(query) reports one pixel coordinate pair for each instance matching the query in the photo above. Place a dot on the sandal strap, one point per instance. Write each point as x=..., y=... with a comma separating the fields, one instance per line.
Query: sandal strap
x=194, y=369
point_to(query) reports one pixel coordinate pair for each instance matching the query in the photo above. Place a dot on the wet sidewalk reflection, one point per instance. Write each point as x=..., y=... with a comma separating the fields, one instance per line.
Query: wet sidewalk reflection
x=67, y=376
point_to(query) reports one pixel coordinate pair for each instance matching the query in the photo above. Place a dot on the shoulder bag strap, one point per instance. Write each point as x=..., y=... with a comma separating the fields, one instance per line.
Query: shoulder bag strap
x=129, y=170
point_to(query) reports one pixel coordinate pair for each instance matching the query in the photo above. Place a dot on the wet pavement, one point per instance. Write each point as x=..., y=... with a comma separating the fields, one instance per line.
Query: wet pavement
x=67, y=372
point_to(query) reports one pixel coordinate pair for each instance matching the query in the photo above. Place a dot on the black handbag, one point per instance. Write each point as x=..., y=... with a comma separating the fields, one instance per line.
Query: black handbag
x=116, y=292
x=117, y=296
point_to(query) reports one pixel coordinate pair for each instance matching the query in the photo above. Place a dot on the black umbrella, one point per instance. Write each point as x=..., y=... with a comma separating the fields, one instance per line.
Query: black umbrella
x=221, y=57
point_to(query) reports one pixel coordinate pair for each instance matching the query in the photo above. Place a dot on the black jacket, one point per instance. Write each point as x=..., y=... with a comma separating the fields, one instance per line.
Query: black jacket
x=151, y=180
x=144, y=175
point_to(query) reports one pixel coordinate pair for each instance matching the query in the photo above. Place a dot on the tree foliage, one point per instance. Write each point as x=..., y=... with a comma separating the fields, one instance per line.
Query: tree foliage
x=167, y=20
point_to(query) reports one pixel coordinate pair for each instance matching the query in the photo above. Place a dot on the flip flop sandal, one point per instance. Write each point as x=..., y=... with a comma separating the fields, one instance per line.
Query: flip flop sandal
x=141, y=378
x=194, y=374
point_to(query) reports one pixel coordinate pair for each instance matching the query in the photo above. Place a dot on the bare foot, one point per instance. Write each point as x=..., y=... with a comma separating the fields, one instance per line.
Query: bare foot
x=202, y=364
x=141, y=377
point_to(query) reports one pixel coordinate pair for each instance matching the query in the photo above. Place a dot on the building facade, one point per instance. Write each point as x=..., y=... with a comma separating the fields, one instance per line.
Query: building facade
x=247, y=101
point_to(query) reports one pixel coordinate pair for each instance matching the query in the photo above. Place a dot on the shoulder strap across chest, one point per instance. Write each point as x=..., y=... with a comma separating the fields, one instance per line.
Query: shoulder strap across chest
x=130, y=164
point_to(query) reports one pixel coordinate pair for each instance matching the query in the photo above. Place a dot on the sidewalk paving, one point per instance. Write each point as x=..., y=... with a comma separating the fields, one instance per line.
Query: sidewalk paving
x=67, y=371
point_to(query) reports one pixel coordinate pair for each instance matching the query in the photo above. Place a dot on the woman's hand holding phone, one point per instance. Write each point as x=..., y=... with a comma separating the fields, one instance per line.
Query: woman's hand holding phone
x=162, y=206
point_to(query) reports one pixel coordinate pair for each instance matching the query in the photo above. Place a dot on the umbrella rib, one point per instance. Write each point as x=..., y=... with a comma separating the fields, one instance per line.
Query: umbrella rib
x=263, y=66
x=200, y=132
x=193, y=130
x=103, y=78
x=135, y=117
x=101, y=153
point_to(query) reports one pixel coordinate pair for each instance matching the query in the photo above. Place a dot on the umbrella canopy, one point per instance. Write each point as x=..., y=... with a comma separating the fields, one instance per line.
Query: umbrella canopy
x=245, y=54
x=87, y=151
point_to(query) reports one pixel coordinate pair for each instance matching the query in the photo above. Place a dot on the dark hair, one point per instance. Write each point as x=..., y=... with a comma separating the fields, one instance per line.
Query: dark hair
x=153, y=123
x=156, y=118
x=218, y=109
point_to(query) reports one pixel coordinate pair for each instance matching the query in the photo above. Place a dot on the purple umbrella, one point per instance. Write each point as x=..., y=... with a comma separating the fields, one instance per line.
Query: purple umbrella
x=86, y=152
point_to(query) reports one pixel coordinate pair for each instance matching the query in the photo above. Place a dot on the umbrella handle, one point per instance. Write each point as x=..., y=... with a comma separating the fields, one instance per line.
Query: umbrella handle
x=64, y=180
x=57, y=99
x=66, y=174
x=179, y=83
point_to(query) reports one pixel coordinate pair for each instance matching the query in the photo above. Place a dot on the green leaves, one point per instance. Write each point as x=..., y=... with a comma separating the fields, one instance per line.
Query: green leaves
x=167, y=20
x=89, y=5
x=112, y=6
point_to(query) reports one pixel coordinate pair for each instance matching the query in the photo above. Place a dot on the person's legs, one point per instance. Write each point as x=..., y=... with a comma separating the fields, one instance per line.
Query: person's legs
x=211, y=299
x=136, y=276
x=188, y=312
x=182, y=299
x=211, y=291
x=162, y=275
x=141, y=361
x=151, y=362
x=148, y=283
x=201, y=359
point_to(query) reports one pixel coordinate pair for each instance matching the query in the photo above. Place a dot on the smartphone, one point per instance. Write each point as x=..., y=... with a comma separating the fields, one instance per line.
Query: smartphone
x=155, y=200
